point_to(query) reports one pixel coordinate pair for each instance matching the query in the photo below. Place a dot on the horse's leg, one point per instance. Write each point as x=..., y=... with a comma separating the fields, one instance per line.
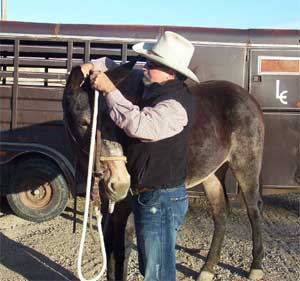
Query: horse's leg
x=118, y=241
x=248, y=179
x=216, y=196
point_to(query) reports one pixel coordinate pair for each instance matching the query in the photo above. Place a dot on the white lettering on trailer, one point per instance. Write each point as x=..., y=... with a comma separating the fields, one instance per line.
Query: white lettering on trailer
x=281, y=96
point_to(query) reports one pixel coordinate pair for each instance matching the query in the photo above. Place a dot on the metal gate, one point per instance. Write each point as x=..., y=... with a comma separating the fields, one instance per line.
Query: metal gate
x=275, y=83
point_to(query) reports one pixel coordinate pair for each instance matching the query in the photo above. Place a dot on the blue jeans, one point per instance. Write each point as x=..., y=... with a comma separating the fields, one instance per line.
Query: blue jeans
x=158, y=215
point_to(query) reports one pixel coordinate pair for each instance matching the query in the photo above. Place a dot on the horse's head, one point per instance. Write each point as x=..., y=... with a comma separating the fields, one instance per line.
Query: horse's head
x=112, y=160
x=78, y=107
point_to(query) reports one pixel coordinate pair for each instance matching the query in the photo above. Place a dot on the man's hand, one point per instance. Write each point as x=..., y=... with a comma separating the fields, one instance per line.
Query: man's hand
x=86, y=68
x=100, y=81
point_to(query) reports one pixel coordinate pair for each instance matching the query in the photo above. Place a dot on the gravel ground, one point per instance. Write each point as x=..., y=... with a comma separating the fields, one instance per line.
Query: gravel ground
x=48, y=251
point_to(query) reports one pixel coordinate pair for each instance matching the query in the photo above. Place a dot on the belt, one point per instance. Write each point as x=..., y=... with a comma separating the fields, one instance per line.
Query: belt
x=140, y=189
x=136, y=189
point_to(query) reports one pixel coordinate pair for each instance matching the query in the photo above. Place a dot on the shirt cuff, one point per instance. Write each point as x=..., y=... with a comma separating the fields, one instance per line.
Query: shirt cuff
x=103, y=64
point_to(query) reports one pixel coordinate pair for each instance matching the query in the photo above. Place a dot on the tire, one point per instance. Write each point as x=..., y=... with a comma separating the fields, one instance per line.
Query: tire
x=38, y=190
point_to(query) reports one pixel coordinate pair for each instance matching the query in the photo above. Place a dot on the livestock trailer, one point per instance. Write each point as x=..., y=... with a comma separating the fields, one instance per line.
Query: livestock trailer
x=37, y=169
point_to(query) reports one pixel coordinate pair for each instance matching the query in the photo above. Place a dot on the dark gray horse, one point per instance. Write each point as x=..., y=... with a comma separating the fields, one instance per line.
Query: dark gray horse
x=228, y=131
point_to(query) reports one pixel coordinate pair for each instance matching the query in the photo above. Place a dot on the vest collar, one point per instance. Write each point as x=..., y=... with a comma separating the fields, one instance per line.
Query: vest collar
x=156, y=89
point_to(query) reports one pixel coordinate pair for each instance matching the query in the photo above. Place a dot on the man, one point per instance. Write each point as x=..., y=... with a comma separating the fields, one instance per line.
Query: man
x=157, y=127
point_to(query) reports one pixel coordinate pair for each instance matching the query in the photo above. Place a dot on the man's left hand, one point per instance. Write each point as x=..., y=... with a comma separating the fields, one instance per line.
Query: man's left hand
x=100, y=81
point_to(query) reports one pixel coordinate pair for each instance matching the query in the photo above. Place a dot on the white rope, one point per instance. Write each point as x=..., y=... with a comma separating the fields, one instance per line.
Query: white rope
x=87, y=202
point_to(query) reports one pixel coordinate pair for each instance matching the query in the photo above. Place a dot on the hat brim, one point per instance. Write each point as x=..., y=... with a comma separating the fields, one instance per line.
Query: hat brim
x=145, y=50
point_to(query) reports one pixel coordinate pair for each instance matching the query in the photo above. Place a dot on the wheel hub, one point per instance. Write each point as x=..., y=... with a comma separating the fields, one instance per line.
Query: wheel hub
x=37, y=198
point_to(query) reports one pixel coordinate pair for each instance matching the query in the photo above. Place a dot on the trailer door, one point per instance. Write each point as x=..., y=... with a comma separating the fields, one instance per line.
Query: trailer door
x=275, y=83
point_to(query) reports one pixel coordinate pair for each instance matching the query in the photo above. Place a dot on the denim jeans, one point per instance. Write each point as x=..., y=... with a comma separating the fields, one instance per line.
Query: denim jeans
x=158, y=215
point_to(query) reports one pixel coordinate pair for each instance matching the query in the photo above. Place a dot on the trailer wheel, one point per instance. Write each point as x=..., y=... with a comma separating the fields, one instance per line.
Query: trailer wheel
x=38, y=190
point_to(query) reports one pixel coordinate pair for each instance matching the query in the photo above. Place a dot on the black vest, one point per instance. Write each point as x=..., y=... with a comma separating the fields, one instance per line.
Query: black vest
x=161, y=164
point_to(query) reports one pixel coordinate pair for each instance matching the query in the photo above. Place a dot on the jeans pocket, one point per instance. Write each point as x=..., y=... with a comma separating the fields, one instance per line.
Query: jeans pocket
x=180, y=206
x=148, y=199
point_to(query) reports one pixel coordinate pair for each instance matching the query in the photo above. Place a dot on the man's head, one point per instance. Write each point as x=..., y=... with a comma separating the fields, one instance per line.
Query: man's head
x=157, y=73
x=168, y=58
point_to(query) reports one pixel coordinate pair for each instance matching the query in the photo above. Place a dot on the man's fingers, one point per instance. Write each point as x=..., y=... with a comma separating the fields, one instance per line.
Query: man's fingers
x=94, y=75
x=93, y=78
x=101, y=82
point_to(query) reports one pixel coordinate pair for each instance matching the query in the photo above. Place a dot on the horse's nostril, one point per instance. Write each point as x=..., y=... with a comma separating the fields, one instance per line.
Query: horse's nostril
x=113, y=187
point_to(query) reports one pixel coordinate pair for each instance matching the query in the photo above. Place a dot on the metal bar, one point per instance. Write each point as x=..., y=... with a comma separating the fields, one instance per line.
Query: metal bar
x=35, y=62
x=3, y=10
x=48, y=49
x=34, y=75
x=15, y=86
x=35, y=50
x=124, y=52
x=46, y=71
x=70, y=56
x=87, y=51
x=3, y=68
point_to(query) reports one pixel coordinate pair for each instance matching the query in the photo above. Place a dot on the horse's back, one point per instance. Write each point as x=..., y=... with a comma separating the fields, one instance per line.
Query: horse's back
x=226, y=117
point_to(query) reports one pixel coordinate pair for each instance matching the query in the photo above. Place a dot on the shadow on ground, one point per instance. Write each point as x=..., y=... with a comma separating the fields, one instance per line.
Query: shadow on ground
x=29, y=263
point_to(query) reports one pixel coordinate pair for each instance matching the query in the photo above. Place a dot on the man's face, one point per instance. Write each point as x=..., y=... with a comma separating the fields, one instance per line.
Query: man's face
x=156, y=73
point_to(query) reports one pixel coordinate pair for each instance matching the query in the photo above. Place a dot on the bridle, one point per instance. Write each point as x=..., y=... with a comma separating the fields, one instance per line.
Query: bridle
x=113, y=158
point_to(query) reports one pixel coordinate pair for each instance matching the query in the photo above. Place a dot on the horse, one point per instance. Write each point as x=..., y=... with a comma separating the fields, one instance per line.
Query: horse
x=77, y=104
x=228, y=131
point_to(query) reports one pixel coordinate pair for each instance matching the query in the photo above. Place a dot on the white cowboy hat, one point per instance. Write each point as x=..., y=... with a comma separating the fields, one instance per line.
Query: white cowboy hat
x=171, y=50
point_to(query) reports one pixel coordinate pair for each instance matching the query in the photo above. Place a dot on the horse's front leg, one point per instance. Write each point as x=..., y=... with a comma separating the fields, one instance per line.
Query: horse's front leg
x=215, y=194
x=118, y=241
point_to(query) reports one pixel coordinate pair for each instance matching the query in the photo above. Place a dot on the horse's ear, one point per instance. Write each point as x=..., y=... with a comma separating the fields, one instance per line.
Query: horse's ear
x=120, y=73
x=74, y=80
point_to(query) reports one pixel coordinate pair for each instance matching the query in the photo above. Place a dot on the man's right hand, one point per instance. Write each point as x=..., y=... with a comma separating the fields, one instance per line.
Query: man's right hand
x=100, y=81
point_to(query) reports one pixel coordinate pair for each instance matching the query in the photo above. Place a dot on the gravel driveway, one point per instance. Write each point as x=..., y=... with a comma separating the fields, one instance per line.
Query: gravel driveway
x=48, y=251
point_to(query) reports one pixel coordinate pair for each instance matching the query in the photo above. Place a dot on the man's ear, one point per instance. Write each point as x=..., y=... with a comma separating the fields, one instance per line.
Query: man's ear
x=171, y=72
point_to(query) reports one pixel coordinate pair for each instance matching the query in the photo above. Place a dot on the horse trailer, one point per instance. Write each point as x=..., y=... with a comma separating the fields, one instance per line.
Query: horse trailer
x=37, y=168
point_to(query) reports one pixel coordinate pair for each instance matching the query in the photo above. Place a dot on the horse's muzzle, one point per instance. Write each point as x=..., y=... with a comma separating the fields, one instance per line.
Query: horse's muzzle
x=117, y=190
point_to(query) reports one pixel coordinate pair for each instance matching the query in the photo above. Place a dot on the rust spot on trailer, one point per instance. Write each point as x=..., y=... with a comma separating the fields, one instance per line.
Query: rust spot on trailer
x=57, y=29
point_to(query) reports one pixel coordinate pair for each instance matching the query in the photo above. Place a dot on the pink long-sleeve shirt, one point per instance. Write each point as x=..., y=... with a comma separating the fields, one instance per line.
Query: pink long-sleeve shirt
x=164, y=120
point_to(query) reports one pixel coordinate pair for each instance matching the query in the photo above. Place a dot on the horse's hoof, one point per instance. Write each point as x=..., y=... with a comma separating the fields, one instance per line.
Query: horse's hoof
x=205, y=276
x=256, y=274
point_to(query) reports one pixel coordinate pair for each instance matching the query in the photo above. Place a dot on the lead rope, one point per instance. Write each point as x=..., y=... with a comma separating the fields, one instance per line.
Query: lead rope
x=87, y=203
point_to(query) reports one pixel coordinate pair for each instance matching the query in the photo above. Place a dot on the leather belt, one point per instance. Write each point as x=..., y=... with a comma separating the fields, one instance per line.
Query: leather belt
x=136, y=190
x=140, y=189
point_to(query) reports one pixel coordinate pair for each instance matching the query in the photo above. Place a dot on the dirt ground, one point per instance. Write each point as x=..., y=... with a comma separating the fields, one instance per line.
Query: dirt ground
x=48, y=251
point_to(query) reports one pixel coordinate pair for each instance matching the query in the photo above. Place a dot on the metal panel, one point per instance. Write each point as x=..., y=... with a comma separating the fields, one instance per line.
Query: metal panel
x=141, y=32
x=278, y=92
x=275, y=91
x=281, y=162
x=50, y=134
x=273, y=36
x=220, y=62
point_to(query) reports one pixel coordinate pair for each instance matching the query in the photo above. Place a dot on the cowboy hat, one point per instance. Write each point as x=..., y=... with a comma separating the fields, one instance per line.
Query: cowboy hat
x=171, y=50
